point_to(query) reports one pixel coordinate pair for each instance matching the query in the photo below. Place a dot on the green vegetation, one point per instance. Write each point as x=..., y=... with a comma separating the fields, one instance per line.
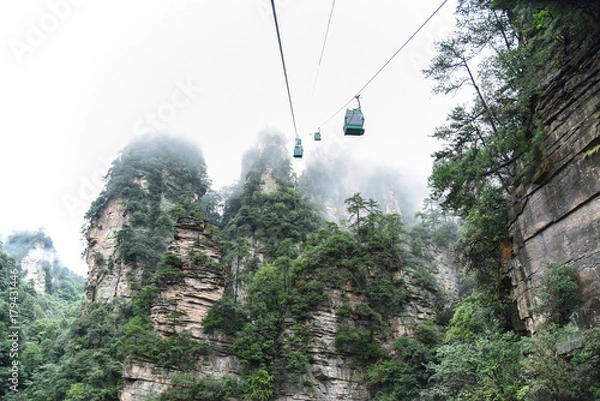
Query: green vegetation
x=282, y=263
x=280, y=216
x=187, y=387
x=269, y=329
x=503, y=51
x=155, y=172
x=559, y=294
x=562, y=364
x=369, y=264
x=304, y=262
x=58, y=279
x=488, y=367
x=358, y=342
x=405, y=373
x=159, y=181
x=41, y=317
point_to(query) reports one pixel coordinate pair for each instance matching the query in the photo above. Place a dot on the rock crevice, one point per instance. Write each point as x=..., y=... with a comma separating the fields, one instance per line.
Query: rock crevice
x=556, y=218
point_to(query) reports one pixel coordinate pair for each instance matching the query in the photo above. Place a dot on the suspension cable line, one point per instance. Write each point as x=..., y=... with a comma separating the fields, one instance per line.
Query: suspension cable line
x=323, y=48
x=287, y=84
x=387, y=62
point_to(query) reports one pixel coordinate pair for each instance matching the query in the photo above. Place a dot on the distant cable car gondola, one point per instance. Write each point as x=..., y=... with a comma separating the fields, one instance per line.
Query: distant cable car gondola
x=354, y=121
x=298, y=148
x=318, y=135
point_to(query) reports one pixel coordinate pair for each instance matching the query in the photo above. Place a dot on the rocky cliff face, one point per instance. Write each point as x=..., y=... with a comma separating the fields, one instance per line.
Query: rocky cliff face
x=201, y=282
x=39, y=261
x=334, y=375
x=556, y=219
x=183, y=302
x=107, y=275
x=33, y=266
x=445, y=270
x=180, y=306
x=184, y=295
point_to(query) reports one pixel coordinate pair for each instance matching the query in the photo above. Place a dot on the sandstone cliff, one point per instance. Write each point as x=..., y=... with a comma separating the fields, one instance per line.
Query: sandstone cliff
x=183, y=302
x=39, y=261
x=107, y=275
x=332, y=375
x=556, y=219
x=180, y=306
x=154, y=262
x=33, y=266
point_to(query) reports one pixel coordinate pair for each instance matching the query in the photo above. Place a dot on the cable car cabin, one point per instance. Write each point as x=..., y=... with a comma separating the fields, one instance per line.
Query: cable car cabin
x=354, y=122
x=317, y=136
x=298, y=148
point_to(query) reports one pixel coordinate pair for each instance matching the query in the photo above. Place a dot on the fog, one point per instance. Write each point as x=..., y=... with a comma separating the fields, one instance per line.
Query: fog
x=332, y=177
x=82, y=81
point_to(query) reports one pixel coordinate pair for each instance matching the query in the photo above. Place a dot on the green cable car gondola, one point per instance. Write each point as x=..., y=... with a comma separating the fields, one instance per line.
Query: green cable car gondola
x=298, y=148
x=318, y=136
x=354, y=121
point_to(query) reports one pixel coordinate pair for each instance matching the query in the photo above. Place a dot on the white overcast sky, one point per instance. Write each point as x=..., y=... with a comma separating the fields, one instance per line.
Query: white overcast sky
x=80, y=79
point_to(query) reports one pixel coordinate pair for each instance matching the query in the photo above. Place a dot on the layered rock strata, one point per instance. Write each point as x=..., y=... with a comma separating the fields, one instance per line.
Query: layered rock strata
x=107, y=275
x=556, y=219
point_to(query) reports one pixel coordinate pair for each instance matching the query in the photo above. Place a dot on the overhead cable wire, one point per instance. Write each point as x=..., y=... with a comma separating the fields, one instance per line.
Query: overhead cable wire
x=323, y=48
x=387, y=62
x=287, y=84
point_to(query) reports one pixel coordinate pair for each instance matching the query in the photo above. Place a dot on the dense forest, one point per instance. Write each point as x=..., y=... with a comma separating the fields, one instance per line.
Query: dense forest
x=40, y=319
x=283, y=259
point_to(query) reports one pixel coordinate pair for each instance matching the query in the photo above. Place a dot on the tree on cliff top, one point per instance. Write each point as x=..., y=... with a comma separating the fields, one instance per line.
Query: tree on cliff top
x=57, y=277
x=502, y=51
x=505, y=51
x=159, y=180
x=268, y=216
x=154, y=167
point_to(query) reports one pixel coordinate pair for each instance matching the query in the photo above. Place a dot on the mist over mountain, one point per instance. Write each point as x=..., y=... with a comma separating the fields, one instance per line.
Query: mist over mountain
x=327, y=179
x=40, y=264
x=330, y=178
x=309, y=279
